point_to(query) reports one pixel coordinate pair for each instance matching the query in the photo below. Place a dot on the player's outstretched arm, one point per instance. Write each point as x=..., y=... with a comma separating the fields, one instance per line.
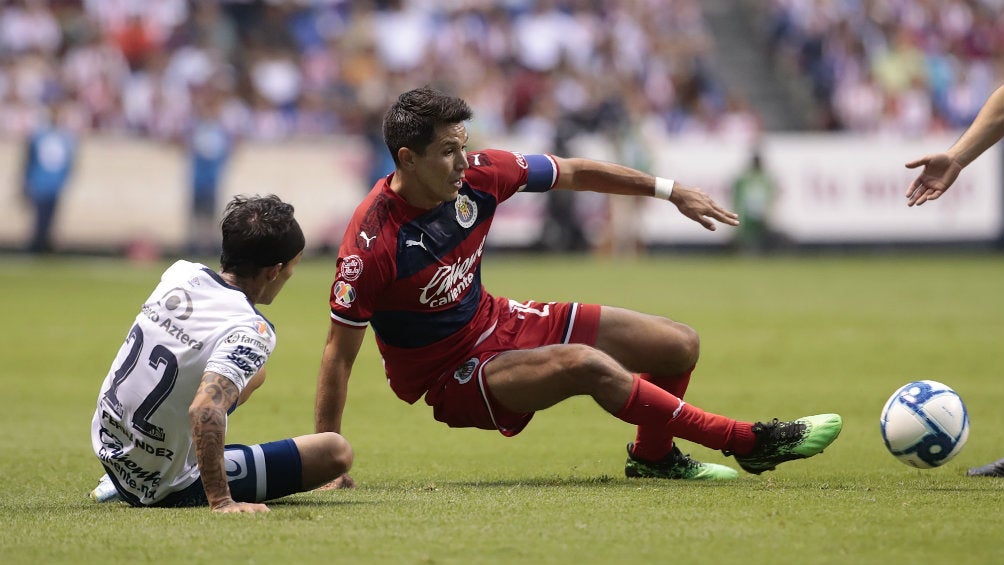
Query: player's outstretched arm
x=340, y=351
x=941, y=169
x=610, y=178
x=339, y=355
x=208, y=416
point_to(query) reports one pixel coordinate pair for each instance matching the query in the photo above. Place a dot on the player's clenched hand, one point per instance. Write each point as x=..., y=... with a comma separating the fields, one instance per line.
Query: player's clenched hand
x=232, y=507
x=343, y=481
x=698, y=206
x=939, y=172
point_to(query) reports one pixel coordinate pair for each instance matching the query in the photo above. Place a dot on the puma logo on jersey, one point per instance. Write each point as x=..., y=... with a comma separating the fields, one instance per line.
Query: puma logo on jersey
x=478, y=160
x=413, y=243
x=368, y=239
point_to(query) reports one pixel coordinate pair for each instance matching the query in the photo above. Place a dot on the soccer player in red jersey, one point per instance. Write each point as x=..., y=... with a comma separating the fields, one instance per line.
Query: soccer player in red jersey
x=410, y=266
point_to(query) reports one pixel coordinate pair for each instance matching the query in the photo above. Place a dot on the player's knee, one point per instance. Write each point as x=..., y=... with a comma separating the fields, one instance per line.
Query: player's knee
x=687, y=344
x=667, y=347
x=577, y=358
x=338, y=453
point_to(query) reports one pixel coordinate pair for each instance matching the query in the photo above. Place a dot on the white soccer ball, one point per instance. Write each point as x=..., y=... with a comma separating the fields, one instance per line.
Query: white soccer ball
x=925, y=424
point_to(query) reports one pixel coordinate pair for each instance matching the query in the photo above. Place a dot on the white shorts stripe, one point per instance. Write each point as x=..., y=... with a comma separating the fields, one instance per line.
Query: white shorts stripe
x=572, y=316
x=484, y=391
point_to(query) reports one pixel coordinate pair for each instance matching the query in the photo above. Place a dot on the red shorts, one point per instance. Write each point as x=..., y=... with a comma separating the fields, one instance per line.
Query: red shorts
x=459, y=397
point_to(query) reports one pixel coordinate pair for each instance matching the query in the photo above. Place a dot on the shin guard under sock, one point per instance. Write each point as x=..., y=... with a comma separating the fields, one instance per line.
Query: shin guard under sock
x=652, y=443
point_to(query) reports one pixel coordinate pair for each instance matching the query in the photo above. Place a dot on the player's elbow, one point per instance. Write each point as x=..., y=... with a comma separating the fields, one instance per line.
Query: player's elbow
x=202, y=415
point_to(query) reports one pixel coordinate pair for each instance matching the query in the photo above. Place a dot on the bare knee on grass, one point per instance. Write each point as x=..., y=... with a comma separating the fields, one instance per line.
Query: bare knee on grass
x=324, y=456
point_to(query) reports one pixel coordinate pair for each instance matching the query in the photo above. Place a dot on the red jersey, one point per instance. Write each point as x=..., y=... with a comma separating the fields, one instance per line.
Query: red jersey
x=415, y=275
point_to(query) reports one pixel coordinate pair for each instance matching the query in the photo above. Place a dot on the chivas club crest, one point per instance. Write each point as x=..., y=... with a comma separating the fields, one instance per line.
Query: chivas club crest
x=467, y=211
x=464, y=372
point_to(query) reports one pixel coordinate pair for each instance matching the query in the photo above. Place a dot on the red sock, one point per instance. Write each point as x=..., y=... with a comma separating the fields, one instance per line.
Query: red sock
x=743, y=441
x=652, y=443
x=712, y=430
x=649, y=405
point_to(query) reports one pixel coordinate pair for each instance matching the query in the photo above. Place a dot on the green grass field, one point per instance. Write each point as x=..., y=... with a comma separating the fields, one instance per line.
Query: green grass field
x=781, y=337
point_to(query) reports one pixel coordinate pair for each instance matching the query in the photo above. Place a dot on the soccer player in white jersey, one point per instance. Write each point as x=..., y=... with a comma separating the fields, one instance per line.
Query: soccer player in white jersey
x=195, y=352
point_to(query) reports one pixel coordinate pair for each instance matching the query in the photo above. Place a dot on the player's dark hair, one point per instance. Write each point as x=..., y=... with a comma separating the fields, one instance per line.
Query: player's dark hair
x=411, y=121
x=258, y=232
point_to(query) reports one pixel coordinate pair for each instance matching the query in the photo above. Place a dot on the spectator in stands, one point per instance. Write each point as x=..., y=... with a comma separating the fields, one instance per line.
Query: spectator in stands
x=122, y=63
x=873, y=51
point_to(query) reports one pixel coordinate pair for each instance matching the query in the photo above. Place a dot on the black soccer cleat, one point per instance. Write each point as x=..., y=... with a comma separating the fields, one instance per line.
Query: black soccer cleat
x=777, y=442
x=995, y=469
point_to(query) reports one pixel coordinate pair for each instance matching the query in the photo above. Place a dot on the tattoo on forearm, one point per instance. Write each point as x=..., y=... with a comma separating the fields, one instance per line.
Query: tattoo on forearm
x=209, y=426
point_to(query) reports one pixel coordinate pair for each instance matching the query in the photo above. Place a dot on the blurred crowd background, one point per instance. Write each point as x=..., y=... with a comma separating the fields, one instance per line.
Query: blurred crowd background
x=278, y=69
x=912, y=66
x=282, y=68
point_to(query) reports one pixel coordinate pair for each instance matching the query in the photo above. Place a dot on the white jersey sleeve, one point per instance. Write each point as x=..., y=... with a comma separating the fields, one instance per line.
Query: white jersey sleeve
x=193, y=322
x=241, y=354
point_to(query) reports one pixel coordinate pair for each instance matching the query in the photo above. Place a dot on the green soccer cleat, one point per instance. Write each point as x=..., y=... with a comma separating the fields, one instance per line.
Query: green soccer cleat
x=676, y=465
x=777, y=442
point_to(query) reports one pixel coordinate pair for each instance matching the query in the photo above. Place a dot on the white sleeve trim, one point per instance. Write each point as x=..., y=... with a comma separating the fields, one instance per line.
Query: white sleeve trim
x=348, y=322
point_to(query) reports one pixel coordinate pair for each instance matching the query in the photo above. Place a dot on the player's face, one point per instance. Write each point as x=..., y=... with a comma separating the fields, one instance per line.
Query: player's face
x=439, y=172
x=272, y=289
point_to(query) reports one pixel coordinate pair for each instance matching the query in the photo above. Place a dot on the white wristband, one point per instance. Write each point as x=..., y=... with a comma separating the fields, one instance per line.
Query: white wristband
x=664, y=187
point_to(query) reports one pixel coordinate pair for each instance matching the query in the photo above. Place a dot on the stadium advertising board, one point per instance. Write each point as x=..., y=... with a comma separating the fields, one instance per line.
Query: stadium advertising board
x=832, y=189
x=838, y=189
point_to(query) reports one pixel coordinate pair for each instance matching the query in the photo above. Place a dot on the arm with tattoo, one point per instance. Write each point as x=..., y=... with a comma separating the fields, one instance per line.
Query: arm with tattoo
x=208, y=414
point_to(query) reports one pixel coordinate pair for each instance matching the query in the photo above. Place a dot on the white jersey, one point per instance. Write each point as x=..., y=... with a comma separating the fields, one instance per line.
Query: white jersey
x=192, y=323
